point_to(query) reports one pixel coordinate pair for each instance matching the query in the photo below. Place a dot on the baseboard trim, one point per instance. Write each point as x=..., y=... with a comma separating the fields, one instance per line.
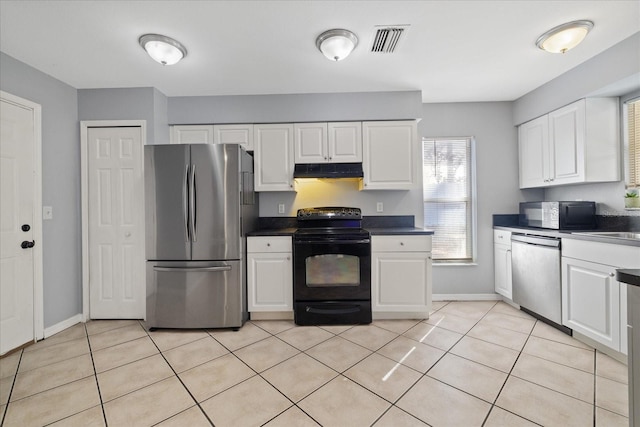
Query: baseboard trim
x=59, y=327
x=466, y=297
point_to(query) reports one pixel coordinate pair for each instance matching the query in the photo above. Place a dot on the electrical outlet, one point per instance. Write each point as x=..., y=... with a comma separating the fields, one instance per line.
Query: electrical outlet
x=281, y=208
x=47, y=212
x=379, y=207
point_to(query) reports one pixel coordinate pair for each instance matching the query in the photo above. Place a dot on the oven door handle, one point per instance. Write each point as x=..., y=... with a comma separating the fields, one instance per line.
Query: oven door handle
x=349, y=310
x=334, y=242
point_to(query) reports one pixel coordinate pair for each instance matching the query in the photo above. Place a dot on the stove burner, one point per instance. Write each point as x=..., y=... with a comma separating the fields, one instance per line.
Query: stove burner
x=338, y=213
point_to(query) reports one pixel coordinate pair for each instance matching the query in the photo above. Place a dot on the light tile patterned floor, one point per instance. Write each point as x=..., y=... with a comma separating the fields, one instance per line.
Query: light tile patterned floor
x=479, y=363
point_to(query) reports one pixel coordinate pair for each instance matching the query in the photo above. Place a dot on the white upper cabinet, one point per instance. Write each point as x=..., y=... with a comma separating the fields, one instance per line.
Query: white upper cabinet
x=345, y=142
x=534, y=151
x=390, y=155
x=273, y=157
x=311, y=143
x=574, y=144
x=339, y=142
x=191, y=134
x=234, y=134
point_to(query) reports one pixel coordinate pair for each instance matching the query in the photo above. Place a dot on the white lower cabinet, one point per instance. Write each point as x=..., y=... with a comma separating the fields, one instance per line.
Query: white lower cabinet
x=401, y=274
x=502, y=262
x=593, y=301
x=269, y=274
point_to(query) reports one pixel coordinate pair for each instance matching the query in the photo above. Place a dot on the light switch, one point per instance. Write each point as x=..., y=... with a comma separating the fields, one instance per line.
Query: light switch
x=281, y=208
x=47, y=212
x=379, y=207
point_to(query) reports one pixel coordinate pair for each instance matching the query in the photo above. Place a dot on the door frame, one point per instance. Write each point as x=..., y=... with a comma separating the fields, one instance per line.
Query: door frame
x=84, y=179
x=38, y=280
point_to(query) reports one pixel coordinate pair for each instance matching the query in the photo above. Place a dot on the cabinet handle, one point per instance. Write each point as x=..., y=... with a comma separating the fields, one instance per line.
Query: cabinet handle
x=401, y=243
x=499, y=237
x=268, y=244
x=612, y=274
x=288, y=258
x=330, y=158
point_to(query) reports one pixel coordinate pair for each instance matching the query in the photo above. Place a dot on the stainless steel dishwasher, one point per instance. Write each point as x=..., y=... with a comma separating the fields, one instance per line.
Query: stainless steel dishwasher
x=536, y=276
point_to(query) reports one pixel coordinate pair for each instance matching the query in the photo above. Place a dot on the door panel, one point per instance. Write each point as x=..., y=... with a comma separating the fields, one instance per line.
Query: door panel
x=166, y=202
x=217, y=202
x=17, y=144
x=116, y=223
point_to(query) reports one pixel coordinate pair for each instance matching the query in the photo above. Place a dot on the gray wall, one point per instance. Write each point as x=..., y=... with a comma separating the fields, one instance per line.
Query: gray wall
x=317, y=107
x=614, y=72
x=160, y=116
x=496, y=139
x=60, y=184
x=140, y=103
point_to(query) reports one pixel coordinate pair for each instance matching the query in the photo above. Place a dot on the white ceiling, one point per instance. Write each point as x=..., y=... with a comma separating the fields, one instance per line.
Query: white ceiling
x=454, y=51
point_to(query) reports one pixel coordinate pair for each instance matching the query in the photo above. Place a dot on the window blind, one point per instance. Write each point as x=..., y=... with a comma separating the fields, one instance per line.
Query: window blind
x=633, y=120
x=447, y=182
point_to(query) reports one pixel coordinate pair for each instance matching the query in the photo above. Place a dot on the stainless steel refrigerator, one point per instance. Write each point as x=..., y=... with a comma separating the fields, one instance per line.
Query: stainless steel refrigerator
x=200, y=204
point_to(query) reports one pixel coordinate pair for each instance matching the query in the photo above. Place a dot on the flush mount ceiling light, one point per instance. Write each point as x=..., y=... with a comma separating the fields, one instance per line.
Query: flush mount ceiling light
x=564, y=37
x=163, y=49
x=336, y=44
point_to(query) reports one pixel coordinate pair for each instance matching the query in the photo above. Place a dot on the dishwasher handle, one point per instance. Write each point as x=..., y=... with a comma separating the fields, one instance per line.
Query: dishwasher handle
x=552, y=242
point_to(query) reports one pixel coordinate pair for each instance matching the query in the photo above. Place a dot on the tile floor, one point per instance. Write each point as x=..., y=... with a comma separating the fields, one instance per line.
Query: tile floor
x=471, y=364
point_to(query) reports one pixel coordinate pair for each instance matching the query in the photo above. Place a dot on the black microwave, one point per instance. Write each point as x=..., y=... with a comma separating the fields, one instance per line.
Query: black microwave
x=558, y=215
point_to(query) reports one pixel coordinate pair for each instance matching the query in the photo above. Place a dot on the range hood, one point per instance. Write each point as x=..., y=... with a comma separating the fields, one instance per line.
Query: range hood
x=328, y=170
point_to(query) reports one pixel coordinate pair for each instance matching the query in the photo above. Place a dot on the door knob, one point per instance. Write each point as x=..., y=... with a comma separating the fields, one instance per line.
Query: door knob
x=27, y=244
x=25, y=227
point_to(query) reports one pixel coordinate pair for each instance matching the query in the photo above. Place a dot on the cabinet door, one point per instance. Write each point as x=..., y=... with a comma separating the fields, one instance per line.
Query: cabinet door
x=345, y=142
x=502, y=267
x=533, y=153
x=390, y=155
x=591, y=301
x=269, y=282
x=311, y=143
x=191, y=134
x=273, y=157
x=401, y=281
x=234, y=134
x=567, y=144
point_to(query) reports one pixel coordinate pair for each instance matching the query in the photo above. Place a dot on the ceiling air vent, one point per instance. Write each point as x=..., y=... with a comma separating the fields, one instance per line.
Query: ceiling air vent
x=386, y=38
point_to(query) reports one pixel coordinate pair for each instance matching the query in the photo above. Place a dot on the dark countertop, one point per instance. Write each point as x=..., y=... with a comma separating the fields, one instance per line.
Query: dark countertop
x=272, y=232
x=375, y=231
x=630, y=276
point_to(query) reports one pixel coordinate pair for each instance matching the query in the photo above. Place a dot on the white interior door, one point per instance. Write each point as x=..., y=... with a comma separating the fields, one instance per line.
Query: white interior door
x=116, y=223
x=17, y=170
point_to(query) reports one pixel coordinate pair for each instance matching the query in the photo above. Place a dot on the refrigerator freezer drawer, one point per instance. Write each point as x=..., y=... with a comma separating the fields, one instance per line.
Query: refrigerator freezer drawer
x=198, y=294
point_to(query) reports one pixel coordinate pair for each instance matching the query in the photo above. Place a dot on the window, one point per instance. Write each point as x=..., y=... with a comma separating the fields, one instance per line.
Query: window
x=449, y=208
x=632, y=143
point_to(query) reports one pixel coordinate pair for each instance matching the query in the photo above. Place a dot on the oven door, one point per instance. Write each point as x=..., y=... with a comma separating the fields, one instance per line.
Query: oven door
x=331, y=269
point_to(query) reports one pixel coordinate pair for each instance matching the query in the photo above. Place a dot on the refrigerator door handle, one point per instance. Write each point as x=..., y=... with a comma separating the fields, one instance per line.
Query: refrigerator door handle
x=185, y=202
x=192, y=269
x=192, y=204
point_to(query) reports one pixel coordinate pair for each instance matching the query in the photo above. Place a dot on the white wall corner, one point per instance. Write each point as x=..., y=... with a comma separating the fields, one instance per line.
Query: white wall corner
x=61, y=326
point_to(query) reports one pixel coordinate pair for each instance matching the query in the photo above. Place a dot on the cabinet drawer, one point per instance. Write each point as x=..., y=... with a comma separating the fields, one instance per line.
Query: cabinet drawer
x=401, y=243
x=501, y=236
x=269, y=244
